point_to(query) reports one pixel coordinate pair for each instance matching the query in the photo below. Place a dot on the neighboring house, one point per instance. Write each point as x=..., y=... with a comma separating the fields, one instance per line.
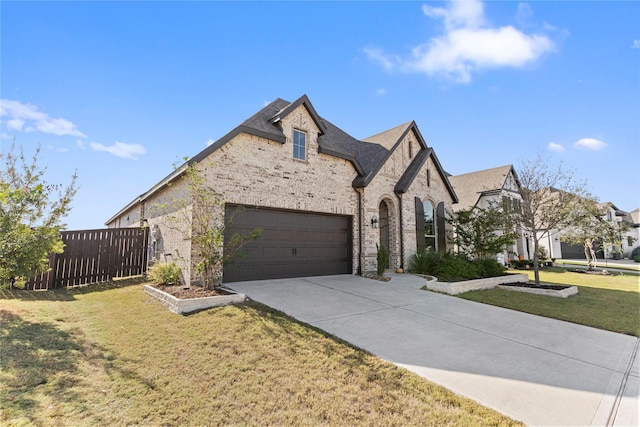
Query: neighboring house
x=323, y=198
x=498, y=186
x=628, y=240
x=631, y=240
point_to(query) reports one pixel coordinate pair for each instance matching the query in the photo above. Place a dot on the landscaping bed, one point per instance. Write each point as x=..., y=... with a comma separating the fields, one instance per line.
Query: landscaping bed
x=456, y=288
x=193, y=298
x=548, y=290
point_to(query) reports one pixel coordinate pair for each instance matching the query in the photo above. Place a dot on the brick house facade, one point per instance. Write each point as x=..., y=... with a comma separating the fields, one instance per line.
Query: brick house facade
x=323, y=198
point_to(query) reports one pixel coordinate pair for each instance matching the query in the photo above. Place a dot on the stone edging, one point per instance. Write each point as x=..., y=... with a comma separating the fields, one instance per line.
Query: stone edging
x=562, y=293
x=456, y=288
x=182, y=306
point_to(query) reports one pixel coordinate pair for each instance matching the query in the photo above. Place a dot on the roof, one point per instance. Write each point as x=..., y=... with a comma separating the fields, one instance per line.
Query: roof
x=471, y=186
x=367, y=156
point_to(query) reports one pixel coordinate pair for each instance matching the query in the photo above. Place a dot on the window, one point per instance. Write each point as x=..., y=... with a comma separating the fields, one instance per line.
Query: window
x=428, y=178
x=299, y=145
x=429, y=226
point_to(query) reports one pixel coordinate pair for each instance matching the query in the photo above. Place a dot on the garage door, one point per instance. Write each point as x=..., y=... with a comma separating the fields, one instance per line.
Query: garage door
x=292, y=244
x=577, y=251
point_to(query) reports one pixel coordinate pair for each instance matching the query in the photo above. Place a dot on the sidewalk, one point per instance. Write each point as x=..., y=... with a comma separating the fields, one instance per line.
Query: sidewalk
x=537, y=370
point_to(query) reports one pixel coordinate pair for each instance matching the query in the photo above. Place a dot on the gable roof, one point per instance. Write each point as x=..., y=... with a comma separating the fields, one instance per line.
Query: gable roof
x=367, y=156
x=403, y=184
x=471, y=186
x=389, y=138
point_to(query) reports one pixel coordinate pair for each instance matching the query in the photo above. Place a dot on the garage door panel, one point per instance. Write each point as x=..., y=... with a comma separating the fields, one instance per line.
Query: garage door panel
x=292, y=244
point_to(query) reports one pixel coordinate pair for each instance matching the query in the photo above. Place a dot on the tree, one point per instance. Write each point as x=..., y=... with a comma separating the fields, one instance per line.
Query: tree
x=31, y=212
x=591, y=228
x=200, y=218
x=483, y=232
x=550, y=194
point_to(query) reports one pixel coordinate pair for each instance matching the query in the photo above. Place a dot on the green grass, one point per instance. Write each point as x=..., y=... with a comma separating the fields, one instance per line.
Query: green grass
x=110, y=355
x=605, y=302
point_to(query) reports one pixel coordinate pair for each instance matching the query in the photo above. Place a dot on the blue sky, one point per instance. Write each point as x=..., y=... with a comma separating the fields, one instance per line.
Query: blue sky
x=120, y=91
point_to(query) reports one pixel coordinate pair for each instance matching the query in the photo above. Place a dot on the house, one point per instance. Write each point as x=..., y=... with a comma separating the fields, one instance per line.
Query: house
x=500, y=186
x=324, y=199
x=627, y=241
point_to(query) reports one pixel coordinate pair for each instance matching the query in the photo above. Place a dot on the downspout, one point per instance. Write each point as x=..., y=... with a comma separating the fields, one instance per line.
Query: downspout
x=399, y=196
x=359, y=231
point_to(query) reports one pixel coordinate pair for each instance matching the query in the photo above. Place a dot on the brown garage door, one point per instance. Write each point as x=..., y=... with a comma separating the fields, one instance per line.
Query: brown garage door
x=292, y=244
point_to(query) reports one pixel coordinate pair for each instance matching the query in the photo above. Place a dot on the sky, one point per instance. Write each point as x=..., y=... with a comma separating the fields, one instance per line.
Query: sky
x=122, y=91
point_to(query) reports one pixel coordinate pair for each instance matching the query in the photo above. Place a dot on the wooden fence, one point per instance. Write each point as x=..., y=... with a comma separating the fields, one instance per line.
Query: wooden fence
x=93, y=256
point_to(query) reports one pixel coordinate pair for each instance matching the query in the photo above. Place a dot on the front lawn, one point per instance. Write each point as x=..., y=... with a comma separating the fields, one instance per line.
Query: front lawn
x=110, y=355
x=605, y=302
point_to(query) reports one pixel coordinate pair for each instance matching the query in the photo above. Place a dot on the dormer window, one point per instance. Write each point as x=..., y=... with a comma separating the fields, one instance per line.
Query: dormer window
x=299, y=145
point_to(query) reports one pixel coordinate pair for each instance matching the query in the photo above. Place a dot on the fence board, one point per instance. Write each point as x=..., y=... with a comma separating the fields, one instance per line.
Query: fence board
x=93, y=256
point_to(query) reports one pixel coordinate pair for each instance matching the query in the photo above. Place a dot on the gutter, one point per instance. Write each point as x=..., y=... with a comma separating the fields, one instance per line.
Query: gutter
x=399, y=196
x=359, y=231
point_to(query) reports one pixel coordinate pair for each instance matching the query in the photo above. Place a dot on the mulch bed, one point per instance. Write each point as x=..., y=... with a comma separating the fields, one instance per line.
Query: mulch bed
x=179, y=291
x=534, y=286
x=596, y=272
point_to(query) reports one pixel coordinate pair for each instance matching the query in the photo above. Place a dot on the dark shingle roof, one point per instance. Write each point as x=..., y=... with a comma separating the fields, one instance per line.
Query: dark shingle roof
x=471, y=186
x=367, y=156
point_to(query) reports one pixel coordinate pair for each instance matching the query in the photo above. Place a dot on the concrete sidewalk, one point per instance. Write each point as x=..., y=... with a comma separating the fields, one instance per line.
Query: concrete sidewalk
x=537, y=370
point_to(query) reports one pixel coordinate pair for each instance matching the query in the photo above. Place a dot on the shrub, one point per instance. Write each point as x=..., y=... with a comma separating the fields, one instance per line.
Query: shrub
x=635, y=254
x=383, y=259
x=423, y=262
x=450, y=267
x=489, y=268
x=165, y=274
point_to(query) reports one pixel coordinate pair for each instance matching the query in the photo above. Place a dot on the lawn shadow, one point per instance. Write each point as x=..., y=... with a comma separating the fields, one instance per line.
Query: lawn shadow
x=68, y=294
x=36, y=357
x=40, y=363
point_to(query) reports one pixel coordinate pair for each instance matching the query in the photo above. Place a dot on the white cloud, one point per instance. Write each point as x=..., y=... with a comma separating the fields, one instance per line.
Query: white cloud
x=552, y=146
x=524, y=13
x=120, y=149
x=209, y=142
x=468, y=44
x=458, y=14
x=636, y=44
x=381, y=91
x=26, y=118
x=81, y=144
x=377, y=55
x=590, y=144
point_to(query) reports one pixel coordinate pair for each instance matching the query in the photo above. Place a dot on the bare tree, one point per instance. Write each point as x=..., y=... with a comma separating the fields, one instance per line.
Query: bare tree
x=200, y=218
x=550, y=194
x=591, y=227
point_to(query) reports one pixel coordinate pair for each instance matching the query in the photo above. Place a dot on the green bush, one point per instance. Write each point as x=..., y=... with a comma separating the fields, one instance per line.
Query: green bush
x=383, y=259
x=423, y=262
x=489, y=268
x=449, y=267
x=165, y=274
x=635, y=254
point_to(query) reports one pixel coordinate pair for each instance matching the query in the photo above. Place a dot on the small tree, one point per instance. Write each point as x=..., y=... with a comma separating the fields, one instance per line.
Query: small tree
x=591, y=228
x=481, y=233
x=31, y=212
x=200, y=218
x=550, y=195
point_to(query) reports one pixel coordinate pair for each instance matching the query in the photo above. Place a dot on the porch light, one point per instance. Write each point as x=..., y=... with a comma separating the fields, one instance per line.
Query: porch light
x=374, y=222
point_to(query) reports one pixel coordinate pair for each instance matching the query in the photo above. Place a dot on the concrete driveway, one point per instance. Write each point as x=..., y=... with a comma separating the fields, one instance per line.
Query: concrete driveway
x=537, y=370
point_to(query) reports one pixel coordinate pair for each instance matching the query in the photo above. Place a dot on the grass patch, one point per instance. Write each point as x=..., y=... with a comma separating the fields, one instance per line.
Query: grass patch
x=605, y=302
x=111, y=355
